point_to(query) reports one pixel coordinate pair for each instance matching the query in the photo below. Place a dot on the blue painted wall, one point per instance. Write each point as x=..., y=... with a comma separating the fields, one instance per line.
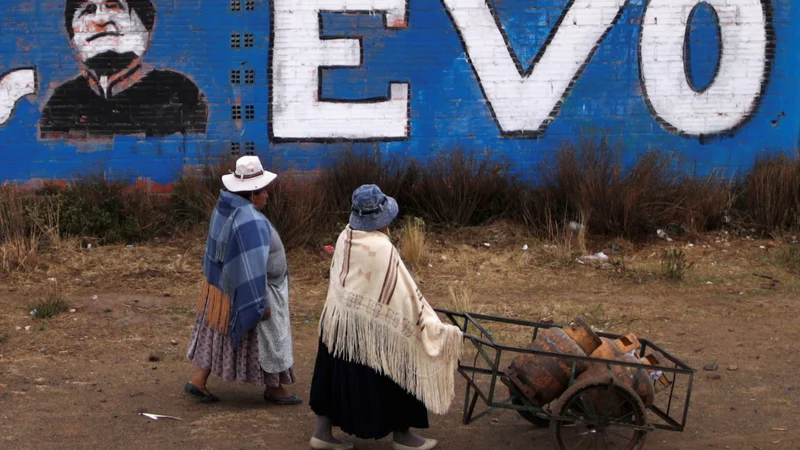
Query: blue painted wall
x=447, y=110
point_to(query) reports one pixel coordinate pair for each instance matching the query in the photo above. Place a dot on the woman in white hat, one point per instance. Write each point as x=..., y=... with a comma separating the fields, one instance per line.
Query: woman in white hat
x=243, y=329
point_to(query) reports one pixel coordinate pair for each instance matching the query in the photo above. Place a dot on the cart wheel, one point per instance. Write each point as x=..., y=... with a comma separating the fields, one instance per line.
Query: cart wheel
x=540, y=420
x=604, y=414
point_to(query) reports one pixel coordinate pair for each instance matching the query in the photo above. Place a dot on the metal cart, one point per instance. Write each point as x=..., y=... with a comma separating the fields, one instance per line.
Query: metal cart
x=596, y=413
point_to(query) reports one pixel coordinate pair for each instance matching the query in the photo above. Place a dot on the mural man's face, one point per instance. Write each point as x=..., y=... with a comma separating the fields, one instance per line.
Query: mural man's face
x=106, y=28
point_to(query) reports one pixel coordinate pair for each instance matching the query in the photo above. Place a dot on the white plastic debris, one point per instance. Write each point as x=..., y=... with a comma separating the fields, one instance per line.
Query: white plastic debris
x=72, y=310
x=33, y=313
x=486, y=244
x=94, y=297
x=525, y=248
x=689, y=245
x=655, y=375
x=27, y=328
x=596, y=257
x=158, y=416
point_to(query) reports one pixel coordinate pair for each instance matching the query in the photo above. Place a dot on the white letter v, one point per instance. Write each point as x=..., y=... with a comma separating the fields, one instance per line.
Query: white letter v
x=524, y=102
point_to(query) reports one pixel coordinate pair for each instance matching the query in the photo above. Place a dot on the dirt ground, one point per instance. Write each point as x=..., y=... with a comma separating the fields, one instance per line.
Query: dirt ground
x=79, y=380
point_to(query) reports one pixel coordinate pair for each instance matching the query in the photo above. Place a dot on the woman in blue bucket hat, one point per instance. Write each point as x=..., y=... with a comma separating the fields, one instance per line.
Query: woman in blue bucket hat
x=384, y=357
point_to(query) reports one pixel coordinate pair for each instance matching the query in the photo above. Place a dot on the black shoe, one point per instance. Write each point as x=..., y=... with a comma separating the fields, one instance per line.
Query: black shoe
x=283, y=401
x=192, y=391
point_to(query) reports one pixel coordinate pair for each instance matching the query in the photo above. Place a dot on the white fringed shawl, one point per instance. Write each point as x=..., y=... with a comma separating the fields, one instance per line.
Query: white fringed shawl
x=375, y=315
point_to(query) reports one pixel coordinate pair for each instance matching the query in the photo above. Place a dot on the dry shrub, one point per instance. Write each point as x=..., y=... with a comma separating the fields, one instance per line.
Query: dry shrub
x=461, y=189
x=51, y=303
x=701, y=204
x=20, y=253
x=534, y=207
x=654, y=192
x=105, y=209
x=565, y=244
x=462, y=297
x=295, y=209
x=772, y=193
x=351, y=169
x=195, y=192
x=412, y=242
x=675, y=264
x=788, y=256
x=19, y=240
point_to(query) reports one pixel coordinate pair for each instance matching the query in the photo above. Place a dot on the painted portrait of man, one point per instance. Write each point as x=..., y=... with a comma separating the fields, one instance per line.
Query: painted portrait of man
x=117, y=93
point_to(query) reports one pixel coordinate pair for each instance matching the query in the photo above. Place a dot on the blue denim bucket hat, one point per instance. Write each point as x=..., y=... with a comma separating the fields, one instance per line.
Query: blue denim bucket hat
x=371, y=208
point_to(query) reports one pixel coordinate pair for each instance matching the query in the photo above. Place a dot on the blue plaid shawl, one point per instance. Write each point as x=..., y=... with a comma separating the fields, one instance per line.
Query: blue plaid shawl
x=235, y=261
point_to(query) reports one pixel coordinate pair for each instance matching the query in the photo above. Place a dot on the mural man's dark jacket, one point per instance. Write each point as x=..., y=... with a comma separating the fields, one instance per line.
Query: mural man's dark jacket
x=143, y=101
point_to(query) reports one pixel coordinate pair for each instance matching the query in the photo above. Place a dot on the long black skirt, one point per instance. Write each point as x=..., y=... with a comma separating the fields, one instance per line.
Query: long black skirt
x=360, y=401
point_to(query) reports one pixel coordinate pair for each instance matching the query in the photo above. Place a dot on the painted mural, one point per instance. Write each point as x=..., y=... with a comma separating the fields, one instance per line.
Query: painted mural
x=116, y=92
x=144, y=88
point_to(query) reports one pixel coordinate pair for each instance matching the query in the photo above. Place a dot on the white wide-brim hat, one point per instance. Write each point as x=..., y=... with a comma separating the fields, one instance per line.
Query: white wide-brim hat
x=249, y=175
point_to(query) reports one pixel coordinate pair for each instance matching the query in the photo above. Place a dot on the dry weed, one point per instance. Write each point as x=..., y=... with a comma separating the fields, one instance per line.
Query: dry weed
x=631, y=200
x=772, y=194
x=295, y=208
x=462, y=297
x=462, y=189
x=566, y=242
x=19, y=241
x=675, y=264
x=52, y=302
x=19, y=253
x=412, y=242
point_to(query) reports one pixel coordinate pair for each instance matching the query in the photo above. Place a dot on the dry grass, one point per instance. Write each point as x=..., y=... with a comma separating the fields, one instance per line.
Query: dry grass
x=462, y=297
x=788, y=256
x=772, y=193
x=674, y=264
x=19, y=241
x=195, y=192
x=52, y=302
x=634, y=200
x=351, y=169
x=462, y=189
x=413, y=245
x=19, y=254
x=295, y=208
x=565, y=242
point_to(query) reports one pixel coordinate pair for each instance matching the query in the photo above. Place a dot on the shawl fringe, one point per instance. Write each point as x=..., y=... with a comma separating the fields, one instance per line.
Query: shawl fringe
x=352, y=334
x=213, y=308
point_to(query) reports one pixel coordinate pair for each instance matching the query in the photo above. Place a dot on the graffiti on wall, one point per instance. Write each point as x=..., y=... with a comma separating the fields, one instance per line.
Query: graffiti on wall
x=140, y=77
x=728, y=101
x=116, y=92
x=300, y=56
x=523, y=100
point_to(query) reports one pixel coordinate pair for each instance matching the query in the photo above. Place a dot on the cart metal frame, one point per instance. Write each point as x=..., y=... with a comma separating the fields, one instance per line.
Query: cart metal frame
x=491, y=352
